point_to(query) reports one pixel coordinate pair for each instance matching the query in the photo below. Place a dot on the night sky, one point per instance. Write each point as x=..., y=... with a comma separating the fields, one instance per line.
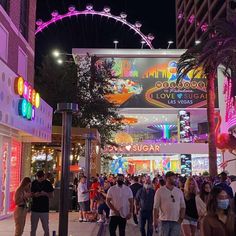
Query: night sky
x=157, y=17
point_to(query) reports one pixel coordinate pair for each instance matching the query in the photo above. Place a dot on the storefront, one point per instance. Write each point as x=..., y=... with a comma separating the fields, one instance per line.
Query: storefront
x=158, y=158
x=24, y=118
x=170, y=114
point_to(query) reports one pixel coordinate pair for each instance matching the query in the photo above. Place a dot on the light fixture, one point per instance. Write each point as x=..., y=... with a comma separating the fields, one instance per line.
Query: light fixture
x=142, y=43
x=197, y=42
x=56, y=53
x=169, y=43
x=115, y=42
x=59, y=61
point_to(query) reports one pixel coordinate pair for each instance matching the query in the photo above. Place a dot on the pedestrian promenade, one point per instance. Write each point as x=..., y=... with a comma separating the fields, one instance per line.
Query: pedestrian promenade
x=131, y=229
x=75, y=227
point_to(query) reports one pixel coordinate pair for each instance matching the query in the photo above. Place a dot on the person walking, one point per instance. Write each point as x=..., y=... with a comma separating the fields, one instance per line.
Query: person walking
x=144, y=201
x=102, y=203
x=83, y=199
x=41, y=190
x=169, y=207
x=190, y=222
x=120, y=201
x=220, y=219
x=135, y=186
x=22, y=196
x=201, y=201
x=224, y=184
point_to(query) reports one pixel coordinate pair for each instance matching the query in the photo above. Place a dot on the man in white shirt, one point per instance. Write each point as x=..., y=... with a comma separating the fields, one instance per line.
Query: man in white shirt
x=169, y=207
x=120, y=201
x=83, y=199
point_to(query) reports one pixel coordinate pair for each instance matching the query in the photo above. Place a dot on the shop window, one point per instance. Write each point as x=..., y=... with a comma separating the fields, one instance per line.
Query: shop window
x=15, y=170
x=24, y=18
x=4, y=43
x=3, y=177
x=5, y=4
x=22, y=63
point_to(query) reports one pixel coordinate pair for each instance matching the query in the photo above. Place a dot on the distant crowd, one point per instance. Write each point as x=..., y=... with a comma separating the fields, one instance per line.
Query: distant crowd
x=167, y=205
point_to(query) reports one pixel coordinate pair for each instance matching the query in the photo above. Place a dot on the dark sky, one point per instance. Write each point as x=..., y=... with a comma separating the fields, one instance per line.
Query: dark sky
x=157, y=17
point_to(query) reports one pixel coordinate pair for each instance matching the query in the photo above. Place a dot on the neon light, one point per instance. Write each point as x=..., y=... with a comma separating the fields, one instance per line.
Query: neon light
x=26, y=110
x=89, y=11
x=30, y=100
x=30, y=94
x=25, y=93
x=33, y=113
x=19, y=85
x=37, y=100
x=22, y=107
x=29, y=111
x=33, y=97
x=25, y=90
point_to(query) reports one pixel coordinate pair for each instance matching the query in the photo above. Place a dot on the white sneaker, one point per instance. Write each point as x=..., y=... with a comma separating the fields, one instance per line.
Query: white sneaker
x=100, y=221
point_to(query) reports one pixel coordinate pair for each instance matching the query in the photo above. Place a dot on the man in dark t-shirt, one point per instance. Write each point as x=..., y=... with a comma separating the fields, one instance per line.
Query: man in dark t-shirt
x=134, y=188
x=41, y=190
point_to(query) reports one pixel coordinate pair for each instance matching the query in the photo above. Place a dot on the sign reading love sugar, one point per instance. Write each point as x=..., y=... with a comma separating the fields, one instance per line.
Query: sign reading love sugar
x=133, y=148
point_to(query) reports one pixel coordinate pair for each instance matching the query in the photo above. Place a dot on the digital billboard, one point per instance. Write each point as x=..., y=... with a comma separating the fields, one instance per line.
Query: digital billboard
x=151, y=83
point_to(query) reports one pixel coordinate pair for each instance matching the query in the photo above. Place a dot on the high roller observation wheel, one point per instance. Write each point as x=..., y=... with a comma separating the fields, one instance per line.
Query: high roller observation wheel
x=106, y=12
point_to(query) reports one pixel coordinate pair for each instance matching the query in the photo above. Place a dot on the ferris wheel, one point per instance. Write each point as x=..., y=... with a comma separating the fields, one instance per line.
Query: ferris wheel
x=106, y=12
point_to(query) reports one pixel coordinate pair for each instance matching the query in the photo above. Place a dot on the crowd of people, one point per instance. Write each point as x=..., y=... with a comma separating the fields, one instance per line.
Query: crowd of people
x=168, y=204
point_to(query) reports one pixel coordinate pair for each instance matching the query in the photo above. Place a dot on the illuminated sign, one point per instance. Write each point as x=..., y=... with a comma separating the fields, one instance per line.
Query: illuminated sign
x=133, y=148
x=30, y=99
x=152, y=83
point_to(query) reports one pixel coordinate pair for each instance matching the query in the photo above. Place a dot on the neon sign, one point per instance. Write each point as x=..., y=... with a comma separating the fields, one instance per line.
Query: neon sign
x=30, y=99
x=133, y=148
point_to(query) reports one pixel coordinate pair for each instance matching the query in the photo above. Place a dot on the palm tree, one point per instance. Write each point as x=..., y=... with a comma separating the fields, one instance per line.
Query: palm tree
x=217, y=47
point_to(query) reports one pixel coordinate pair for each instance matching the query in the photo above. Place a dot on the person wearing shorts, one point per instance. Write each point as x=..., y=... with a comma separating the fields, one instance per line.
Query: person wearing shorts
x=83, y=199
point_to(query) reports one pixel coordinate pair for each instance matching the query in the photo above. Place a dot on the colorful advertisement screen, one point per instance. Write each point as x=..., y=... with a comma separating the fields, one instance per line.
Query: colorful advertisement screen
x=151, y=83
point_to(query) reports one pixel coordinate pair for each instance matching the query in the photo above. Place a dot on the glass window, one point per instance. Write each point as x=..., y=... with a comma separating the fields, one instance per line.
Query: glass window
x=5, y=4
x=22, y=63
x=4, y=43
x=24, y=15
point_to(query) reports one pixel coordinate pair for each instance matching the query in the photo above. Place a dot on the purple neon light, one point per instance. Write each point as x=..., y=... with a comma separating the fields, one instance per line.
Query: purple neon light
x=105, y=13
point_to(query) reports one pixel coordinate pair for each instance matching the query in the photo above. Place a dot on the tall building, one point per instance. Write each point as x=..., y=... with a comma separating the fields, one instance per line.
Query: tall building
x=24, y=116
x=194, y=16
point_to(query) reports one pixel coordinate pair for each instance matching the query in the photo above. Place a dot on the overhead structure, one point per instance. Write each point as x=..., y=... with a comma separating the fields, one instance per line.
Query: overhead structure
x=106, y=12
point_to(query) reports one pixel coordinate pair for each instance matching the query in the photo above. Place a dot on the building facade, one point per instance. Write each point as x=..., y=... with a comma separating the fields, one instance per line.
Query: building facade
x=194, y=16
x=24, y=116
x=166, y=126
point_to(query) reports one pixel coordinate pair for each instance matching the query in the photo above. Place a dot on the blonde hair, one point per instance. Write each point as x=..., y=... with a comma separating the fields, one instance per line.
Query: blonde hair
x=187, y=186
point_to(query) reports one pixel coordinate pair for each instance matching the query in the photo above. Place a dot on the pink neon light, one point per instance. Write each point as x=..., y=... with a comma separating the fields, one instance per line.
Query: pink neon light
x=180, y=16
x=204, y=27
x=230, y=115
x=105, y=13
x=191, y=19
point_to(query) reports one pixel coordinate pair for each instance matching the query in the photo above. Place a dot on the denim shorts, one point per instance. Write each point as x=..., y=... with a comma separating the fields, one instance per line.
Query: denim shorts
x=84, y=206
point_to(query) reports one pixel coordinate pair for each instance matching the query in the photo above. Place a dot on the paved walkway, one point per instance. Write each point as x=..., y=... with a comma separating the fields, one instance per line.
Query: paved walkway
x=75, y=228
x=131, y=230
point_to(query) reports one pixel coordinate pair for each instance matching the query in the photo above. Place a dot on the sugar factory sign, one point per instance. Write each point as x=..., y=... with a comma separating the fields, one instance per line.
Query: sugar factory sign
x=29, y=100
x=133, y=148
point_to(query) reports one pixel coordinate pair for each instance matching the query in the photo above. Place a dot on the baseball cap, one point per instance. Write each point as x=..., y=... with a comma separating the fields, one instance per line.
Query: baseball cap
x=169, y=174
x=223, y=173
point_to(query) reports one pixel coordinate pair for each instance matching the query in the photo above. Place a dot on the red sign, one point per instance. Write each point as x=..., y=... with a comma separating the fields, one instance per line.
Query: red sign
x=15, y=170
x=133, y=148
